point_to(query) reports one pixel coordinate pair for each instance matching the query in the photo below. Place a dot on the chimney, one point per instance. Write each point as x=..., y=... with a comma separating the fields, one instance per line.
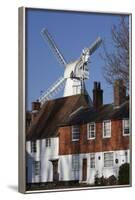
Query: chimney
x=35, y=109
x=97, y=95
x=119, y=92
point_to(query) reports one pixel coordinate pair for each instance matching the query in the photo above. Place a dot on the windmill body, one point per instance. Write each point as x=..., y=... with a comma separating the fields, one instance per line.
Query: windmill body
x=75, y=72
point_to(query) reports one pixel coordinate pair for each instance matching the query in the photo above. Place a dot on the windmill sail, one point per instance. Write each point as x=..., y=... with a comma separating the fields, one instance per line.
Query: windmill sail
x=53, y=90
x=46, y=35
x=95, y=45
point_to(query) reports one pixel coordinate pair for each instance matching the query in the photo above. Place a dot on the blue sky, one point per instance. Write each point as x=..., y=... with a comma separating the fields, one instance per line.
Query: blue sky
x=72, y=31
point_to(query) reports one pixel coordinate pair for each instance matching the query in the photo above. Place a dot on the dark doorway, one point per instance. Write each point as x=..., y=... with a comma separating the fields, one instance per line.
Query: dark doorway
x=55, y=170
x=84, y=170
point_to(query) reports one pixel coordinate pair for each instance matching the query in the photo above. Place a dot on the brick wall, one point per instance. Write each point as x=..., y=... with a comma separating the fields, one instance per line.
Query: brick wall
x=116, y=142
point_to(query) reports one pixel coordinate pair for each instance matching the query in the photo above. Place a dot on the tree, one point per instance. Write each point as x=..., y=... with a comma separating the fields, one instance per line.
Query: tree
x=117, y=61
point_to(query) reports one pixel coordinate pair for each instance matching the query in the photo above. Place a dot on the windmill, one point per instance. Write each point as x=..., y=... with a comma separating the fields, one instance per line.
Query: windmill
x=75, y=73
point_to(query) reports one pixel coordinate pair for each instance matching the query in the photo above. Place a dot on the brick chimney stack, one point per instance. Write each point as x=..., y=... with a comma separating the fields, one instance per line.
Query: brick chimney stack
x=119, y=92
x=36, y=105
x=35, y=109
x=97, y=95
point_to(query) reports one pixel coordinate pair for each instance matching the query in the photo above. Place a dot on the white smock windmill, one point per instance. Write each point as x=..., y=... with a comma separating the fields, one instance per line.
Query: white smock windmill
x=75, y=72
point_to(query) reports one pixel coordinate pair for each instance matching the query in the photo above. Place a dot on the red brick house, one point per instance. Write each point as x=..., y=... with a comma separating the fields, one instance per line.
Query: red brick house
x=72, y=139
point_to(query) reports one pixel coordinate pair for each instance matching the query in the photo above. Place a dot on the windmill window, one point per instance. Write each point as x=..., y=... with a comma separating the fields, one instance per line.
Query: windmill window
x=75, y=133
x=126, y=127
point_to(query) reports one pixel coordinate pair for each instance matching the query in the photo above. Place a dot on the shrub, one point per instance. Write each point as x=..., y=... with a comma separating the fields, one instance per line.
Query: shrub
x=102, y=181
x=112, y=180
x=123, y=177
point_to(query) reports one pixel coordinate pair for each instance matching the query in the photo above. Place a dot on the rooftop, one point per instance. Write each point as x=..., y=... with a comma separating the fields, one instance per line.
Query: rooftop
x=53, y=113
x=67, y=111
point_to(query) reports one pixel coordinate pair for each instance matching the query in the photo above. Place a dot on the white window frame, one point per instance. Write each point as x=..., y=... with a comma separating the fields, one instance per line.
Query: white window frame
x=75, y=166
x=106, y=121
x=37, y=168
x=109, y=160
x=77, y=132
x=33, y=146
x=48, y=142
x=123, y=127
x=92, y=161
x=89, y=130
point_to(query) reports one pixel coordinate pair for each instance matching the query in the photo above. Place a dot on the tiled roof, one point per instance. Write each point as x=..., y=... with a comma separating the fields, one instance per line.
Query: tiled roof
x=106, y=112
x=53, y=113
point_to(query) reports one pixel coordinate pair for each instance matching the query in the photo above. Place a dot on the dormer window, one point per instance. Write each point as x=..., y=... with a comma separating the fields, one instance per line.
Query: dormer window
x=75, y=132
x=126, y=127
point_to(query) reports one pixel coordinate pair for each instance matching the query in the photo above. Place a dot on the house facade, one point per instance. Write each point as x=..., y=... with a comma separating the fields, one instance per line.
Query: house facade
x=70, y=139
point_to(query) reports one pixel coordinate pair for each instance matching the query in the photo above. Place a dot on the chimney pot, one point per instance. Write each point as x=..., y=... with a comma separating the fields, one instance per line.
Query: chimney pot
x=98, y=86
x=97, y=95
x=35, y=109
x=36, y=105
x=95, y=85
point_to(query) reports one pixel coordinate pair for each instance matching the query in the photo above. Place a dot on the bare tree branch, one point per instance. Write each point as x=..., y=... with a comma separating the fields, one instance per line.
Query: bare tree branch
x=116, y=62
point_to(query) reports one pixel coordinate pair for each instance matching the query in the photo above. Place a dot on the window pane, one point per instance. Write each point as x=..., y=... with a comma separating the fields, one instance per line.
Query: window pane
x=75, y=162
x=108, y=159
x=107, y=128
x=126, y=127
x=75, y=132
x=33, y=147
x=48, y=142
x=92, y=161
x=91, y=130
x=36, y=168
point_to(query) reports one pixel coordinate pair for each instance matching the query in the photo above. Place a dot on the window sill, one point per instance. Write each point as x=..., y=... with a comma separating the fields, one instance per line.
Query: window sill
x=106, y=137
x=75, y=140
x=91, y=138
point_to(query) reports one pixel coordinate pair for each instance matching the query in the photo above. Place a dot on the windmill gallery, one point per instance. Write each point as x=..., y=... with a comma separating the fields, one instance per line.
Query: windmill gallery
x=73, y=139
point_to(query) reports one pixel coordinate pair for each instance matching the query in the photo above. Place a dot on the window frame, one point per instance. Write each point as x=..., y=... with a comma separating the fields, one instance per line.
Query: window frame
x=109, y=159
x=89, y=131
x=75, y=166
x=73, y=132
x=123, y=127
x=37, y=168
x=92, y=166
x=106, y=121
x=33, y=146
x=48, y=142
x=75, y=162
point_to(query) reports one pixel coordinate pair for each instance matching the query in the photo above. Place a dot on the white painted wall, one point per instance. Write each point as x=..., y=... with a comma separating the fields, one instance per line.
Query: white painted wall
x=31, y=157
x=72, y=86
x=46, y=154
x=65, y=166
